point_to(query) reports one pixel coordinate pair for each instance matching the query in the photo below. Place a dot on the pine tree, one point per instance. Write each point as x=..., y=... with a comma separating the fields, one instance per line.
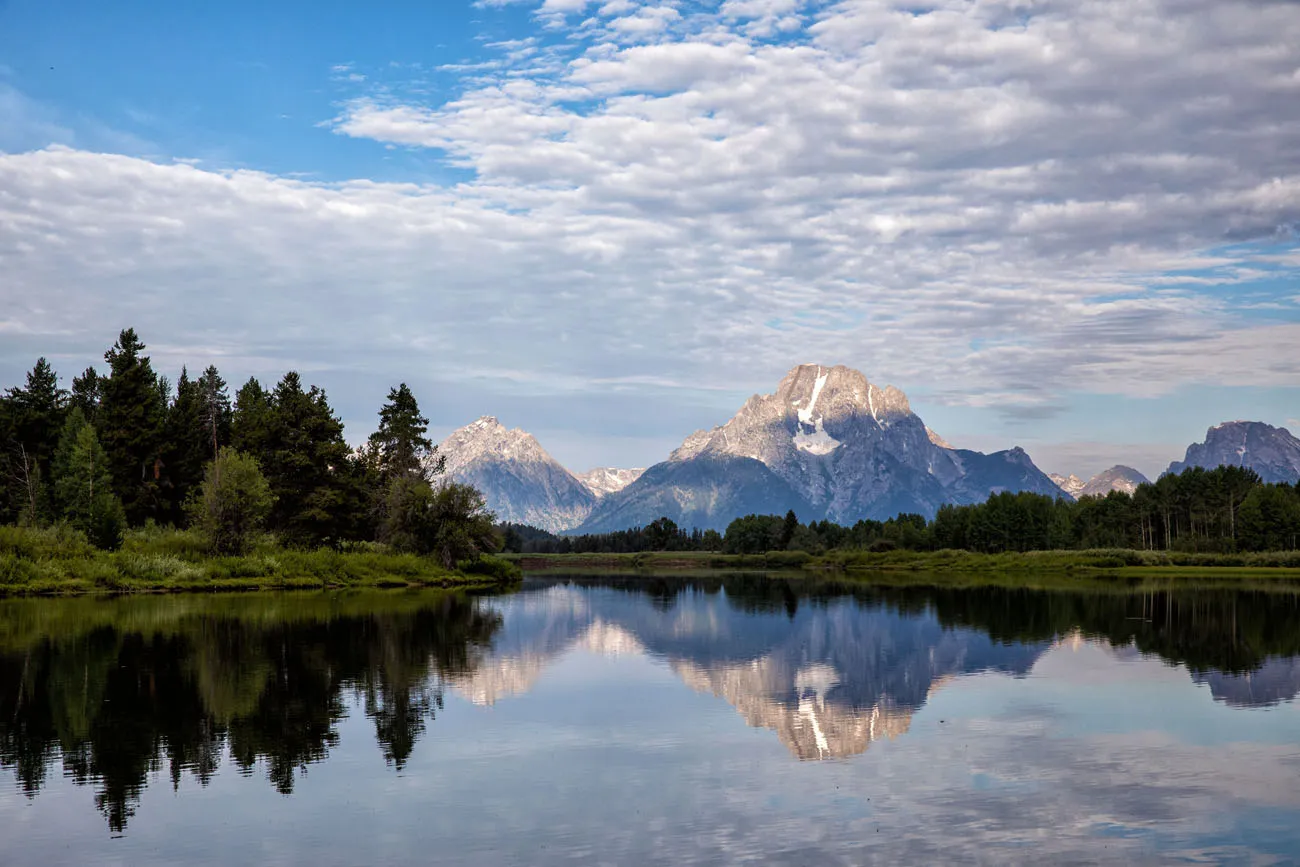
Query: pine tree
x=187, y=442
x=33, y=416
x=130, y=422
x=86, y=392
x=215, y=412
x=82, y=486
x=306, y=462
x=400, y=445
x=250, y=426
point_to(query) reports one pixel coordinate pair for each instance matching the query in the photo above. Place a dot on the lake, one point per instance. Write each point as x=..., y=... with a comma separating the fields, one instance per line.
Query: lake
x=653, y=721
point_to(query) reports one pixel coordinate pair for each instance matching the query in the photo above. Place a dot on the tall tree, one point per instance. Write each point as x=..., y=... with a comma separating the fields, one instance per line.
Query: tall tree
x=86, y=392
x=82, y=487
x=186, y=442
x=130, y=422
x=33, y=416
x=399, y=445
x=250, y=426
x=306, y=463
x=215, y=412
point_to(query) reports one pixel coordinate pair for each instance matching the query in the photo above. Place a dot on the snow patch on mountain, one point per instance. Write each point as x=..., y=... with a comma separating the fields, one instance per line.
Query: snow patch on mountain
x=603, y=481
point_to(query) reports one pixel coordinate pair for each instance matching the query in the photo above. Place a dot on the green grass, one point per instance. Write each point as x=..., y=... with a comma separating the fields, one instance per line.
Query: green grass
x=60, y=561
x=660, y=561
x=1120, y=561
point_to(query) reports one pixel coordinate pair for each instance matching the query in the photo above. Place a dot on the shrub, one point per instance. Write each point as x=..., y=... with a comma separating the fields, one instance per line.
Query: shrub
x=232, y=503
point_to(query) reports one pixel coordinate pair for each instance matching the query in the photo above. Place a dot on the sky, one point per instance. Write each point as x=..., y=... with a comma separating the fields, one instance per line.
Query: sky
x=1073, y=227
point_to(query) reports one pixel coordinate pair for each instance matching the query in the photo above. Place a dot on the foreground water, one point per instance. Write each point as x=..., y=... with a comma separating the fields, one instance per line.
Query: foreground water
x=660, y=722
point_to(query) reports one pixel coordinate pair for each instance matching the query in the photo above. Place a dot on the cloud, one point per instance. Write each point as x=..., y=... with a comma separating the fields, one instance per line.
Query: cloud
x=984, y=200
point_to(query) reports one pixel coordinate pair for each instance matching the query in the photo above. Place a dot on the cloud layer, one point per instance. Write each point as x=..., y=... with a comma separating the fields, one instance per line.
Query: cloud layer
x=995, y=202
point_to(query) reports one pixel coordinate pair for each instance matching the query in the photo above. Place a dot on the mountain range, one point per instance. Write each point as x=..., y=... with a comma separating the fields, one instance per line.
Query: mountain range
x=827, y=444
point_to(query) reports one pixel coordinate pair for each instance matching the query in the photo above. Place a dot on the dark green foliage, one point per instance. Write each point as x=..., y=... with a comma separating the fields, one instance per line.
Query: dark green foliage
x=449, y=522
x=82, y=486
x=86, y=393
x=187, y=448
x=232, y=503
x=30, y=420
x=130, y=421
x=399, y=445
x=215, y=414
x=306, y=461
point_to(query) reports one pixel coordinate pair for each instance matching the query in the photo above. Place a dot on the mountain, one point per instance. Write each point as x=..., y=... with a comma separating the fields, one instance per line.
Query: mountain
x=520, y=481
x=828, y=444
x=1270, y=451
x=1071, y=484
x=1117, y=478
x=607, y=480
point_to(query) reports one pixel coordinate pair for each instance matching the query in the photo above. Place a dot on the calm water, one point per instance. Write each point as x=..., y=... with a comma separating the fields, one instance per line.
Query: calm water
x=666, y=722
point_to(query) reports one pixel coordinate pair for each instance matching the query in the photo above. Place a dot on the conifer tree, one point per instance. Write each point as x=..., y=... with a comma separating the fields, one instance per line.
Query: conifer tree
x=33, y=416
x=130, y=422
x=305, y=460
x=250, y=426
x=82, y=486
x=399, y=446
x=86, y=391
x=187, y=441
x=215, y=412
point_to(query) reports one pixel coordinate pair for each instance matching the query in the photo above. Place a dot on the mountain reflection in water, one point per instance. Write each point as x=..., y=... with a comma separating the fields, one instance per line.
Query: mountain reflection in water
x=118, y=690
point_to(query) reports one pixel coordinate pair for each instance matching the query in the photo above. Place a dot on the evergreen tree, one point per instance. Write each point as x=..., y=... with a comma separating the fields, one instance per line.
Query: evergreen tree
x=86, y=392
x=250, y=426
x=32, y=418
x=306, y=462
x=215, y=412
x=399, y=446
x=82, y=485
x=130, y=420
x=187, y=442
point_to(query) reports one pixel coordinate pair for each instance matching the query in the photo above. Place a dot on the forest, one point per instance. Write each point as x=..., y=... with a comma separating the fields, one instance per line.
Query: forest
x=127, y=448
x=1220, y=511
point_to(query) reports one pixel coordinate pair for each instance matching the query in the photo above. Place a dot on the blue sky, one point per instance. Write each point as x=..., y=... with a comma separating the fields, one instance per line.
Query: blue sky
x=1072, y=229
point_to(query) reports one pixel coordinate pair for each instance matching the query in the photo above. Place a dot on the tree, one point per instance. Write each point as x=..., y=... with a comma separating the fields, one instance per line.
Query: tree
x=450, y=522
x=306, y=462
x=32, y=418
x=250, y=427
x=1269, y=519
x=214, y=413
x=661, y=534
x=130, y=422
x=232, y=503
x=187, y=451
x=83, y=487
x=86, y=393
x=788, y=528
x=399, y=445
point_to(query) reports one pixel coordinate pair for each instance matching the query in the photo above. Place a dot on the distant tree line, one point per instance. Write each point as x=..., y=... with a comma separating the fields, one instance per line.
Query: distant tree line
x=1222, y=510
x=126, y=447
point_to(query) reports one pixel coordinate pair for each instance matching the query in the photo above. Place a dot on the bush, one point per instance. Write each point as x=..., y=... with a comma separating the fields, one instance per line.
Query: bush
x=232, y=503
x=493, y=567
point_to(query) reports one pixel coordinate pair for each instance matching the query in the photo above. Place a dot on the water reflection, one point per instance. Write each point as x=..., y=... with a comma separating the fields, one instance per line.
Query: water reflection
x=118, y=691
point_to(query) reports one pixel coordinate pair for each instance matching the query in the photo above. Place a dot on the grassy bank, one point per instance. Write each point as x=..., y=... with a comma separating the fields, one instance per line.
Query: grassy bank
x=1114, y=563
x=659, y=561
x=61, y=561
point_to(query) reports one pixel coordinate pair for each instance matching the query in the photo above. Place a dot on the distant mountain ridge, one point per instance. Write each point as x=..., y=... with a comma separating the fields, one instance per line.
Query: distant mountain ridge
x=521, y=482
x=828, y=444
x=1117, y=478
x=1270, y=451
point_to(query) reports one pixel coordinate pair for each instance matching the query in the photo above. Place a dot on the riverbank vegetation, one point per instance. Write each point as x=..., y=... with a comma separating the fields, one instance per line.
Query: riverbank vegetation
x=126, y=482
x=1224, y=517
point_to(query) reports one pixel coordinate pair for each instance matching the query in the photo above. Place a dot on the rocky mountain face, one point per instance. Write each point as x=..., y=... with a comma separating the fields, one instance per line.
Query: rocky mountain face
x=828, y=444
x=1071, y=484
x=1117, y=478
x=608, y=480
x=1270, y=451
x=520, y=481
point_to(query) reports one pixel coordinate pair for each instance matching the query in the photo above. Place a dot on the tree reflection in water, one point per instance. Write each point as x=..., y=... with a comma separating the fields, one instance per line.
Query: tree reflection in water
x=130, y=687
x=118, y=690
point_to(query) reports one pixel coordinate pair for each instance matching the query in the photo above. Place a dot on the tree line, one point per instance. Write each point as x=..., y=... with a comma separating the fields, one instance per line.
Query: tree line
x=1223, y=510
x=126, y=447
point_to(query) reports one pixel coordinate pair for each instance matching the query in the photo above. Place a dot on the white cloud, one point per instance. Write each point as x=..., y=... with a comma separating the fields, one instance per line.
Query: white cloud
x=980, y=200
